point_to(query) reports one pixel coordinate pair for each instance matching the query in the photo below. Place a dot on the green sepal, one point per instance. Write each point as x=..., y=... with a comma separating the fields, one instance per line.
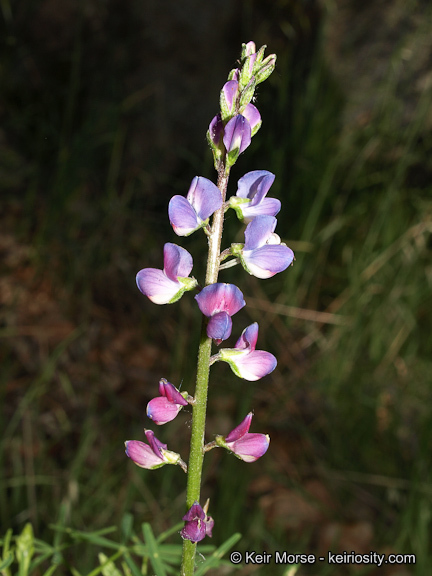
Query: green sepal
x=232, y=75
x=247, y=94
x=231, y=157
x=220, y=441
x=235, y=202
x=260, y=56
x=226, y=354
x=245, y=73
x=255, y=129
x=169, y=457
x=188, y=284
x=243, y=51
x=266, y=68
x=217, y=152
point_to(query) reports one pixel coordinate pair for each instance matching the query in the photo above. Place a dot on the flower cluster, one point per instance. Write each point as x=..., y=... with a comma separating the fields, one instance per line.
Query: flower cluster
x=262, y=254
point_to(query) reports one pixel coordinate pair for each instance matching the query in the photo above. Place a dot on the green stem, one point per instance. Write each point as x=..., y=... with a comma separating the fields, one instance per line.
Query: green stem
x=196, y=455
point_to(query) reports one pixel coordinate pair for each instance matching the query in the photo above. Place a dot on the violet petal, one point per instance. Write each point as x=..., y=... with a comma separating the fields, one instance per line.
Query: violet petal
x=250, y=447
x=161, y=410
x=255, y=185
x=156, y=285
x=240, y=430
x=220, y=297
x=177, y=261
x=182, y=216
x=258, y=231
x=268, y=260
x=219, y=327
x=254, y=365
x=205, y=197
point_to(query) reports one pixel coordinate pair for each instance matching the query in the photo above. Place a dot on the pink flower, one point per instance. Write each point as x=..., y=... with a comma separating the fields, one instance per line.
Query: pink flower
x=152, y=455
x=248, y=447
x=168, y=285
x=219, y=302
x=250, y=199
x=165, y=407
x=263, y=254
x=244, y=360
x=197, y=524
x=191, y=213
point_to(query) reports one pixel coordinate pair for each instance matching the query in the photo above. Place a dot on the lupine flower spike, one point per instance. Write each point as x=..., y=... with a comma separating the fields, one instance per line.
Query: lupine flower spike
x=262, y=255
x=168, y=285
x=152, y=455
x=247, y=447
x=165, y=407
x=244, y=360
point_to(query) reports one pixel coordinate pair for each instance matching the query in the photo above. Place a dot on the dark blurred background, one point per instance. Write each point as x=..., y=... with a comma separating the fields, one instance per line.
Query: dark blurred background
x=104, y=106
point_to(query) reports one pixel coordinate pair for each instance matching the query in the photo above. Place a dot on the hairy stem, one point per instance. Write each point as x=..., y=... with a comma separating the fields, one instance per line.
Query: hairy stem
x=196, y=455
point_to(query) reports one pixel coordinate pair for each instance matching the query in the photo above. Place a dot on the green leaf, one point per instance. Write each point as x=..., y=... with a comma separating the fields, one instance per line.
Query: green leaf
x=126, y=526
x=215, y=559
x=50, y=570
x=154, y=556
x=169, y=532
x=7, y=561
x=133, y=568
x=107, y=566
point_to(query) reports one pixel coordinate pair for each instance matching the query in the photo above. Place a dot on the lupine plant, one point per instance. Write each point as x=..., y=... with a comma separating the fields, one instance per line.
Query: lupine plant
x=262, y=255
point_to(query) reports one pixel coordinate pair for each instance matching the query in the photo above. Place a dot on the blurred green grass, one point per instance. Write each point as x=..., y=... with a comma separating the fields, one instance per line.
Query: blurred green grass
x=347, y=408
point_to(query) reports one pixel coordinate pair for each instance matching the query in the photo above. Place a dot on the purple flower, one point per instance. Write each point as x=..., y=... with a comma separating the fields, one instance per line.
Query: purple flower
x=214, y=138
x=197, y=524
x=228, y=97
x=250, y=199
x=152, y=455
x=191, y=213
x=247, y=447
x=168, y=285
x=215, y=132
x=219, y=302
x=244, y=360
x=237, y=137
x=263, y=255
x=234, y=74
x=248, y=49
x=253, y=116
x=165, y=407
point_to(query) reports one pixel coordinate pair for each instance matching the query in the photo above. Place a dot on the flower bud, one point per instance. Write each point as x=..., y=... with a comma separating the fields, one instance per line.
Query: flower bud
x=214, y=138
x=247, y=50
x=247, y=93
x=266, y=68
x=237, y=137
x=253, y=116
x=228, y=99
x=197, y=524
